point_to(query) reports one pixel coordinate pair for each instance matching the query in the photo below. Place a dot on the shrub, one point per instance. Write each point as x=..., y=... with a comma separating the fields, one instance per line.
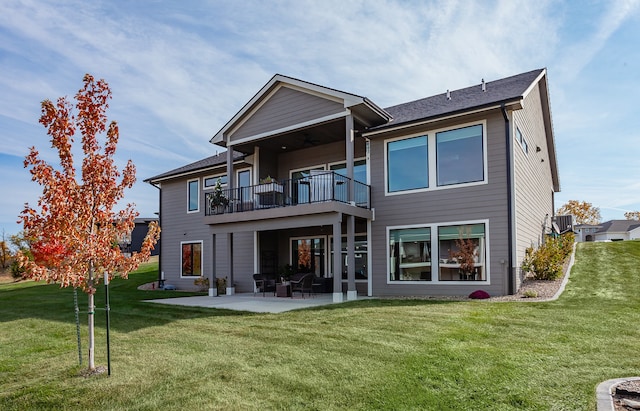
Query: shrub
x=16, y=269
x=530, y=294
x=546, y=262
x=479, y=295
x=202, y=282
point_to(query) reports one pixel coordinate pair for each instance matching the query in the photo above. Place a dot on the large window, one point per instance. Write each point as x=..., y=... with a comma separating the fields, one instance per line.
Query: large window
x=437, y=253
x=462, y=252
x=191, y=259
x=436, y=160
x=410, y=254
x=193, y=196
x=459, y=156
x=407, y=164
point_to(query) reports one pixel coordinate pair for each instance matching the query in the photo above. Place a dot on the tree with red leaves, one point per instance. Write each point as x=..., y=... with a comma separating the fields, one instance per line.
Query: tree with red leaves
x=73, y=235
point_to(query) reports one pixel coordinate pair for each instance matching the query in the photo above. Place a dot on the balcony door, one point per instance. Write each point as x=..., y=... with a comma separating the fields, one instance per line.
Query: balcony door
x=301, y=184
x=308, y=255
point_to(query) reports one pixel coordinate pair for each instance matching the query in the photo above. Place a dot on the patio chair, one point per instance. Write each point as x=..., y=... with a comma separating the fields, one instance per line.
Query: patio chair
x=263, y=284
x=304, y=283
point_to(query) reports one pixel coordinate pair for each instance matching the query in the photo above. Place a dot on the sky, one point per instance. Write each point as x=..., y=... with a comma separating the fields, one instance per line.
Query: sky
x=179, y=70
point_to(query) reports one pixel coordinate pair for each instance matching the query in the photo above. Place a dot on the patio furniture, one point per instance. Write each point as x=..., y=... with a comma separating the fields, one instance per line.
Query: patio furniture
x=304, y=283
x=263, y=283
x=283, y=289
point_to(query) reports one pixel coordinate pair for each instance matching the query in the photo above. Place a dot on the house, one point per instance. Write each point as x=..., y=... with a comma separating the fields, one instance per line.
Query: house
x=133, y=241
x=618, y=230
x=326, y=181
x=586, y=232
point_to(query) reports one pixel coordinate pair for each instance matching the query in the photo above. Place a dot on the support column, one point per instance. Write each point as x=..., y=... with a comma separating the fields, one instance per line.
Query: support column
x=230, y=288
x=352, y=293
x=337, y=262
x=349, y=137
x=230, y=178
x=213, y=286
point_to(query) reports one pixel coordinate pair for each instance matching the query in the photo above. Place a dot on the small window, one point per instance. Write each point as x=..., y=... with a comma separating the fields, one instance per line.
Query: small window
x=191, y=257
x=523, y=143
x=193, y=196
x=210, y=182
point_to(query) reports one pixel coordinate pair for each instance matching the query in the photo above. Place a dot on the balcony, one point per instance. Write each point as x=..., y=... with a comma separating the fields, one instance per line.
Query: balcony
x=319, y=187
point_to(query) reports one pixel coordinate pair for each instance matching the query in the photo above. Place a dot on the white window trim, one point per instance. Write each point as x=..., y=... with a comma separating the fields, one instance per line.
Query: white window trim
x=431, y=153
x=318, y=166
x=435, y=245
x=215, y=176
x=522, y=143
x=197, y=210
x=201, y=258
x=219, y=175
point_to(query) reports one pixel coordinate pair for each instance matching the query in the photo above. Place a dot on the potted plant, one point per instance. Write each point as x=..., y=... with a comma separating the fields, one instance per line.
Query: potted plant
x=218, y=201
x=268, y=185
x=221, y=285
x=267, y=180
x=202, y=282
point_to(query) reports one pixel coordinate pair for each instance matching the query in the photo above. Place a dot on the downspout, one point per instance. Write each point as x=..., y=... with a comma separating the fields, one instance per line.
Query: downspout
x=159, y=243
x=507, y=136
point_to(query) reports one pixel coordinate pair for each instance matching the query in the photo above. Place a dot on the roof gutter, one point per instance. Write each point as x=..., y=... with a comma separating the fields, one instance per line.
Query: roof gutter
x=515, y=104
x=508, y=143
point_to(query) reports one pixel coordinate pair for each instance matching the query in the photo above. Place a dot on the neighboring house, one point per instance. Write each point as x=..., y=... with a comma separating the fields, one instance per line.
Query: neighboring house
x=307, y=164
x=586, y=232
x=618, y=230
x=133, y=242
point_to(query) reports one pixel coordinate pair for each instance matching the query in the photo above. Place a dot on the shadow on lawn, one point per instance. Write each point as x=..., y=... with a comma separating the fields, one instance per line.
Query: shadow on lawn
x=128, y=311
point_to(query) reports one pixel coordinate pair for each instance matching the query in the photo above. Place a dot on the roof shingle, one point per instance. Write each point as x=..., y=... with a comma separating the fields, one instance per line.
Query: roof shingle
x=498, y=91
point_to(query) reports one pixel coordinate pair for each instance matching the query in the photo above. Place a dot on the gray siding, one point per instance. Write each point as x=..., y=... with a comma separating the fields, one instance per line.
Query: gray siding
x=533, y=181
x=179, y=226
x=481, y=202
x=285, y=108
x=315, y=156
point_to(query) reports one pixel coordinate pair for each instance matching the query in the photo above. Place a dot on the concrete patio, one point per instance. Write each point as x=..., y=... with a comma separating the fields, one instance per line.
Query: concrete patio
x=256, y=304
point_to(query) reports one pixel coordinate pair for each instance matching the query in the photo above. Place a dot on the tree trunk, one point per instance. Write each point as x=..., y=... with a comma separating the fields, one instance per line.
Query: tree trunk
x=91, y=316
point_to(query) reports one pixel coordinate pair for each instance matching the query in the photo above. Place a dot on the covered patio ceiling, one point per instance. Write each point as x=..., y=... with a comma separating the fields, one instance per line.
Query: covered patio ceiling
x=300, y=139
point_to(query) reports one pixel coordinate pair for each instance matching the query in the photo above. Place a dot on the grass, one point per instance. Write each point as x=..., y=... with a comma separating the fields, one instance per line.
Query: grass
x=369, y=354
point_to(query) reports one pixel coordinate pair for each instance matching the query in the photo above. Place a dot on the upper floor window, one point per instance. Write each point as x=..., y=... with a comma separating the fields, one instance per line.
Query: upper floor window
x=460, y=156
x=210, y=182
x=407, y=164
x=437, y=159
x=193, y=196
x=523, y=143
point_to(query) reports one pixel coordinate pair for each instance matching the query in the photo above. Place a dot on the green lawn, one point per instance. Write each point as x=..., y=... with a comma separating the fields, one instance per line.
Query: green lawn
x=373, y=354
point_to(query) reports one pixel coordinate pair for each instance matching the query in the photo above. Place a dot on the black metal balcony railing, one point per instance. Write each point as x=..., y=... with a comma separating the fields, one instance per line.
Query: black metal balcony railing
x=328, y=186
